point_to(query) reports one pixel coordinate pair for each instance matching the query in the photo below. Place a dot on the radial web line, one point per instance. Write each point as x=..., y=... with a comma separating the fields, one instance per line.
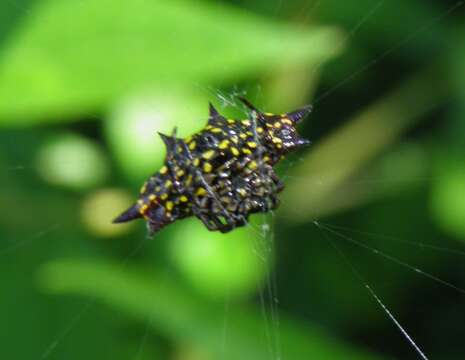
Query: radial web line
x=393, y=238
x=393, y=259
x=372, y=293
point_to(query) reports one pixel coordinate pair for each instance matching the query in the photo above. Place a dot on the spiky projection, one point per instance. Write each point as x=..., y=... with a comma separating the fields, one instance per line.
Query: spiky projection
x=221, y=174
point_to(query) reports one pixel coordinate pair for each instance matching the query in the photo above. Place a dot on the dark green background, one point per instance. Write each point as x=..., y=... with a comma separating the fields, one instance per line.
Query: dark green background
x=85, y=85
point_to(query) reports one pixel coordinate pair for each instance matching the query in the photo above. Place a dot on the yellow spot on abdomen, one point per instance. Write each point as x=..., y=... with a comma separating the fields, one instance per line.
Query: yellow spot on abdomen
x=287, y=121
x=252, y=144
x=252, y=165
x=200, y=191
x=224, y=144
x=242, y=192
x=189, y=180
x=143, y=209
x=208, y=154
x=207, y=167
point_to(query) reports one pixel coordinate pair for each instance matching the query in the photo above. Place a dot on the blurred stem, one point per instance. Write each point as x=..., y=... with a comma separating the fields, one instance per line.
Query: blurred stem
x=357, y=142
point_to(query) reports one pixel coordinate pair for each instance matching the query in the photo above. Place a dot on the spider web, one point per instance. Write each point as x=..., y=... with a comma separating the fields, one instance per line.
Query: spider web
x=269, y=299
x=334, y=234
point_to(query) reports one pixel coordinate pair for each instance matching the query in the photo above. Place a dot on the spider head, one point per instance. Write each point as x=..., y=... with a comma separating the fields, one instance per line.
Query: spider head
x=280, y=131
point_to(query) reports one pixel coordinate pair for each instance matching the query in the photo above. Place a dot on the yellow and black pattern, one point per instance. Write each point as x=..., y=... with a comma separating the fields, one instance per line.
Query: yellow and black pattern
x=221, y=174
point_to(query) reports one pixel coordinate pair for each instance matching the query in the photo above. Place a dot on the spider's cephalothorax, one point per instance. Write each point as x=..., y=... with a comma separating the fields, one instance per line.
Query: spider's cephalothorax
x=221, y=174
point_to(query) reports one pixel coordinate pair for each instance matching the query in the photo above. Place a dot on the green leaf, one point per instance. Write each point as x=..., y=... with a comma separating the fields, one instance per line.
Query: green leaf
x=448, y=192
x=74, y=56
x=156, y=300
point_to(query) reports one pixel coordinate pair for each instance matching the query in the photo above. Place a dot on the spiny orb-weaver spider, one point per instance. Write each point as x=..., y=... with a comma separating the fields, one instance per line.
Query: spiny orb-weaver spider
x=221, y=174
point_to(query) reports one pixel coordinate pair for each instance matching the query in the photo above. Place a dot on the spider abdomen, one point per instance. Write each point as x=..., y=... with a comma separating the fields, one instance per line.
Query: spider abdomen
x=221, y=174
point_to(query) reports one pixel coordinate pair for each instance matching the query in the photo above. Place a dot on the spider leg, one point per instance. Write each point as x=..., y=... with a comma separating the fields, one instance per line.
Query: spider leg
x=273, y=185
x=274, y=202
x=238, y=221
x=264, y=197
x=214, y=223
x=279, y=185
x=207, y=221
x=241, y=220
x=225, y=228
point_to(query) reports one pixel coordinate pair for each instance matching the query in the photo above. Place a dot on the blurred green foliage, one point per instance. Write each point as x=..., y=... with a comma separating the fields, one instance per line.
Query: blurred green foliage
x=85, y=85
x=50, y=65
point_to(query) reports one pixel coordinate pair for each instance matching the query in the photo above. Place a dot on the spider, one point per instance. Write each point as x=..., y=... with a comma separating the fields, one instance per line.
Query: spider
x=221, y=174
